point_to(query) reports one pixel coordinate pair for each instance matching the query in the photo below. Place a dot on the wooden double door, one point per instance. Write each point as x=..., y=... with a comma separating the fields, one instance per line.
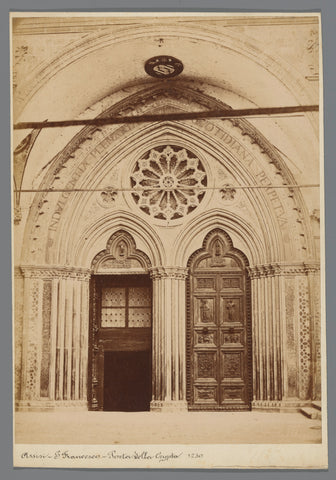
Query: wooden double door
x=121, y=373
x=219, y=350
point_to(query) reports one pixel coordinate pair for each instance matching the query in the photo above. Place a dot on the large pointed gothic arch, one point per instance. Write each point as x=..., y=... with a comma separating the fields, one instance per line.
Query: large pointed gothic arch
x=81, y=154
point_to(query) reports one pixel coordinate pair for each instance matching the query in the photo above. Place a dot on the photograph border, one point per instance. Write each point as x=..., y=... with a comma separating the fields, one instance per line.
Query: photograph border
x=5, y=189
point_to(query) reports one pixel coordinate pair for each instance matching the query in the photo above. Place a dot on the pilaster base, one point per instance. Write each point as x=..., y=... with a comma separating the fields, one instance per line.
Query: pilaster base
x=50, y=405
x=292, y=405
x=168, y=406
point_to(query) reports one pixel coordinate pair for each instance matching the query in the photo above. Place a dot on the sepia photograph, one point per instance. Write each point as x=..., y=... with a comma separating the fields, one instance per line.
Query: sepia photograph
x=168, y=240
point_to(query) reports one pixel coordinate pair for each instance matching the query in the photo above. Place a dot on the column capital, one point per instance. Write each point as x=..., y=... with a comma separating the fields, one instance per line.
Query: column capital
x=253, y=272
x=180, y=273
x=48, y=272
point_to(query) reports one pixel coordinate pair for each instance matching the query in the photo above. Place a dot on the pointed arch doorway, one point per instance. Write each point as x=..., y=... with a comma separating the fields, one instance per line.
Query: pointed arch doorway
x=121, y=328
x=219, y=361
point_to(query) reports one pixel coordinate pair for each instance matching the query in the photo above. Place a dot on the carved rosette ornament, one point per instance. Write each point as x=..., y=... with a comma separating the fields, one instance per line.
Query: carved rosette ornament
x=228, y=192
x=168, y=182
x=108, y=196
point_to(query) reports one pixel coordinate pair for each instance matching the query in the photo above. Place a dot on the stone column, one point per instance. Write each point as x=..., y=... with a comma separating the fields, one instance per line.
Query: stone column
x=169, y=337
x=55, y=338
x=267, y=335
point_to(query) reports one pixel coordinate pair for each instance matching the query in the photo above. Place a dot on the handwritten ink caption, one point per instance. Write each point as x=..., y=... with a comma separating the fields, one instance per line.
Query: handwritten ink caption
x=143, y=455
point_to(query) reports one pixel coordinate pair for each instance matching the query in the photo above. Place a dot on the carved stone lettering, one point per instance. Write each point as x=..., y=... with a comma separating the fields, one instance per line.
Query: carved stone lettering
x=274, y=198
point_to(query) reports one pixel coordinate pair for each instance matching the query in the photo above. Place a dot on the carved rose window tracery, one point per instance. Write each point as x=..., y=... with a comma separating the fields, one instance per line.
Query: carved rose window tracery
x=168, y=182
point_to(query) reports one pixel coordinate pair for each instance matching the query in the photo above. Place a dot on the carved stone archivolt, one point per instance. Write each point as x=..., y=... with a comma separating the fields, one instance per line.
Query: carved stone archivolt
x=81, y=156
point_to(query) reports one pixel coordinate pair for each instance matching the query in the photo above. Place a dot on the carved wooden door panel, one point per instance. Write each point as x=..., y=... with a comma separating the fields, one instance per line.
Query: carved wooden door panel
x=219, y=334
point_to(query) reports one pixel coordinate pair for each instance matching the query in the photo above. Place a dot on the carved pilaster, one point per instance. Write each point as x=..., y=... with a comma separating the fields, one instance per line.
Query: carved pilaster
x=54, y=355
x=31, y=338
x=169, y=359
x=18, y=294
x=285, y=317
x=315, y=326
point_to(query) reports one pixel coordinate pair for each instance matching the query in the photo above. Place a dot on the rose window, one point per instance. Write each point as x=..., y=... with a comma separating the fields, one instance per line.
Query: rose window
x=168, y=182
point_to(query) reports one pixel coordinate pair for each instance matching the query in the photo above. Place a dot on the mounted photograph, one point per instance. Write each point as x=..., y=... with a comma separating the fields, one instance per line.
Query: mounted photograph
x=168, y=240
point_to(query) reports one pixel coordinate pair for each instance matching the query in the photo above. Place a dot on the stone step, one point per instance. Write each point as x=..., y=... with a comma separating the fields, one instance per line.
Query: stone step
x=317, y=404
x=312, y=413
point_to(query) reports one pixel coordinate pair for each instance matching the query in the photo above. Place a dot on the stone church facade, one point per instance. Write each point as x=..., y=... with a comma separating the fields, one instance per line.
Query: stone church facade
x=173, y=264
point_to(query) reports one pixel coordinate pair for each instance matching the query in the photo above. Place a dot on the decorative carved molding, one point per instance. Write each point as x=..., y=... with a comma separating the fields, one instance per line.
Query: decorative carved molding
x=304, y=347
x=274, y=269
x=50, y=271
